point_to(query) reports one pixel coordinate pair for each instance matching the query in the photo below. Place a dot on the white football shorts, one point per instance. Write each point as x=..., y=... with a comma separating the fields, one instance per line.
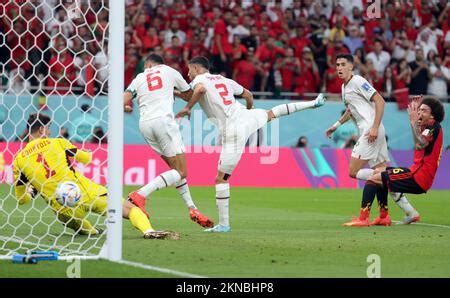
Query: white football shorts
x=163, y=135
x=235, y=135
x=376, y=152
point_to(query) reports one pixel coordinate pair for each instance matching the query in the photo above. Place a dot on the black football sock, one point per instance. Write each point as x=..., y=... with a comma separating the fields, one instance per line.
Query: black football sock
x=382, y=197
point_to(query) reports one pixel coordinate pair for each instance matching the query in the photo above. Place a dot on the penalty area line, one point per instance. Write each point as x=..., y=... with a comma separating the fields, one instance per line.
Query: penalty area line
x=159, y=269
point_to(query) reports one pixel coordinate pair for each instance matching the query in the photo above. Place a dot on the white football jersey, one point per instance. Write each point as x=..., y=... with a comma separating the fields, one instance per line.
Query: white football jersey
x=219, y=102
x=357, y=95
x=154, y=91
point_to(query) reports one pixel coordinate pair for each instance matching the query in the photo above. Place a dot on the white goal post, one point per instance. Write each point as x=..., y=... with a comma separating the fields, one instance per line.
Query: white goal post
x=34, y=227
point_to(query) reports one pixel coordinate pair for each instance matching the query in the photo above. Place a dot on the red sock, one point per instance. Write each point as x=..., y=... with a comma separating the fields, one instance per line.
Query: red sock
x=364, y=214
x=383, y=212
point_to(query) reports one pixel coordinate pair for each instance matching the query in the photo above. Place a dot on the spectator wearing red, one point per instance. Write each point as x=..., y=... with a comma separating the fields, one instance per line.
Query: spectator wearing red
x=221, y=47
x=333, y=82
x=174, y=53
x=180, y=13
x=268, y=52
x=263, y=20
x=289, y=68
x=194, y=47
x=309, y=79
x=337, y=47
x=131, y=62
x=299, y=41
x=247, y=69
x=338, y=14
x=238, y=50
x=425, y=12
x=396, y=15
x=19, y=43
x=194, y=28
x=140, y=24
x=410, y=29
x=150, y=40
x=62, y=70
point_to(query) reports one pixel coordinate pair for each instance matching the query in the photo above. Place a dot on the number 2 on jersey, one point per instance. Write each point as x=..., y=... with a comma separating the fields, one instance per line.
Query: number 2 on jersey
x=154, y=81
x=223, y=92
x=48, y=170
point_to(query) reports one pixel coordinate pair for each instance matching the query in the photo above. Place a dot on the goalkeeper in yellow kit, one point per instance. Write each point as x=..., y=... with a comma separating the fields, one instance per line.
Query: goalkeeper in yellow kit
x=45, y=162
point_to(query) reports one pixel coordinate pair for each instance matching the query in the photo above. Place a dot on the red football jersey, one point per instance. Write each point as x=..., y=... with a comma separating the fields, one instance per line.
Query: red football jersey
x=426, y=161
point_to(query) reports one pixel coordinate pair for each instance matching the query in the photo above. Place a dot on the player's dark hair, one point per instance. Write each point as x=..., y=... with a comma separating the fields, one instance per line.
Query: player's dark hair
x=200, y=60
x=36, y=121
x=437, y=108
x=348, y=57
x=155, y=58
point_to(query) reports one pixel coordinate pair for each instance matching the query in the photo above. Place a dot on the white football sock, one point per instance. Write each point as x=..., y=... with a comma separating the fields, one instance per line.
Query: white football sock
x=286, y=109
x=162, y=181
x=364, y=174
x=183, y=190
x=222, y=201
x=401, y=200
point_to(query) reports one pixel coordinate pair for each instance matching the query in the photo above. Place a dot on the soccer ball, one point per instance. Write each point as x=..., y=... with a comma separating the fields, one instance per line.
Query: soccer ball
x=68, y=194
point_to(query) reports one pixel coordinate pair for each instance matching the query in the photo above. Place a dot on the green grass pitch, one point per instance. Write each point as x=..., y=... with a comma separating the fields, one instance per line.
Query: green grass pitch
x=276, y=233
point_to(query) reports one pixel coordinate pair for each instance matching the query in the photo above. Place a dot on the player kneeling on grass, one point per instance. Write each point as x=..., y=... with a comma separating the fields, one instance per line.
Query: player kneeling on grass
x=425, y=116
x=44, y=163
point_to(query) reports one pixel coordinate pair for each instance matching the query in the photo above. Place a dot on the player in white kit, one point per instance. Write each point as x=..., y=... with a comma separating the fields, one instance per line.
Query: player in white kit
x=216, y=95
x=366, y=107
x=154, y=89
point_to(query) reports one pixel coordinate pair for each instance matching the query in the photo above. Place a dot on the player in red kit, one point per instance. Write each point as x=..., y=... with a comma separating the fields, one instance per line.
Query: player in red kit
x=425, y=116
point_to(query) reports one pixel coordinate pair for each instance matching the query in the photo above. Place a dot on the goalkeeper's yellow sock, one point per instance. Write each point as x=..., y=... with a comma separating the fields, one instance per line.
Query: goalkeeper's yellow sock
x=139, y=220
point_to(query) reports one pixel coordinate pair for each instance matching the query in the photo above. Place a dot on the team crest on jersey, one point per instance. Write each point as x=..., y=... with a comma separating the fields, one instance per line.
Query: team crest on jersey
x=366, y=86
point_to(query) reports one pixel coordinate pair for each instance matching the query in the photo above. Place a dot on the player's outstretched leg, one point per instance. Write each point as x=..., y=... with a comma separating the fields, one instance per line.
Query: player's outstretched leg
x=195, y=215
x=287, y=109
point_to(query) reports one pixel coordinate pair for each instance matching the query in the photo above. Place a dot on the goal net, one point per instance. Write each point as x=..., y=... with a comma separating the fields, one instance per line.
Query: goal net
x=54, y=61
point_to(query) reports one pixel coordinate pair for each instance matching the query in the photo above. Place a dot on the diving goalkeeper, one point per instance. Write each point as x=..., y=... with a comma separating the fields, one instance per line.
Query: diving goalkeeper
x=45, y=162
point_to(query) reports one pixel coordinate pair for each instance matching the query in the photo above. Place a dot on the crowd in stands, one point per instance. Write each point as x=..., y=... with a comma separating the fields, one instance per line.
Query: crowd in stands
x=401, y=47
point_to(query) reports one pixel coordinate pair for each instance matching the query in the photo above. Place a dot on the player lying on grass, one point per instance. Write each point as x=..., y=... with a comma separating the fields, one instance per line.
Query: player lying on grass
x=425, y=116
x=216, y=95
x=45, y=162
x=366, y=107
x=154, y=89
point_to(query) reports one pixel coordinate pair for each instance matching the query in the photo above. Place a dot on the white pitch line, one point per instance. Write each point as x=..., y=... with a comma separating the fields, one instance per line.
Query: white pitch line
x=159, y=269
x=425, y=224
